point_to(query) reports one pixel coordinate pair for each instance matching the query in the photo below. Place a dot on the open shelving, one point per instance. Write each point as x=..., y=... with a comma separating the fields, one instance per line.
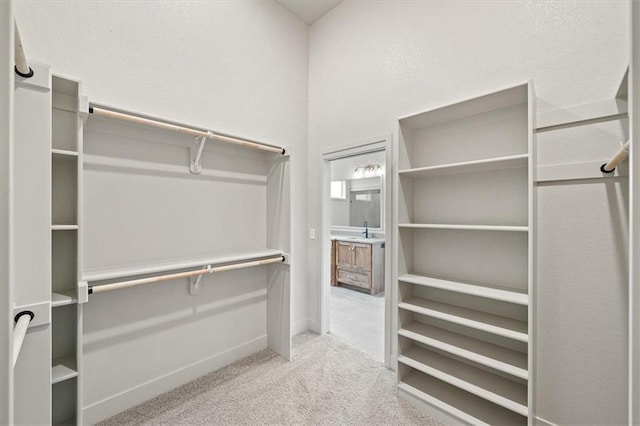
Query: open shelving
x=499, y=390
x=464, y=405
x=488, y=354
x=464, y=227
x=495, y=324
x=172, y=265
x=63, y=153
x=497, y=163
x=464, y=258
x=63, y=298
x=66, y=170
x=64, y=227
x=63, y=368
x=472, y=289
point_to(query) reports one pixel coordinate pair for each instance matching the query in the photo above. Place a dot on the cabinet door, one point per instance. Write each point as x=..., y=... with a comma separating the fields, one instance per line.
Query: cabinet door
x=362, y=256
x=344, y=254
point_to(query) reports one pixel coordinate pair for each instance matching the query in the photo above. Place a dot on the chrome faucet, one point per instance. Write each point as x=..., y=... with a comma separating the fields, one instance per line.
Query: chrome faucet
x=366, y=229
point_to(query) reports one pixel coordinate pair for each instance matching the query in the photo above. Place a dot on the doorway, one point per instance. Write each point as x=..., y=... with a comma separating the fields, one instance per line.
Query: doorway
x=356, y=246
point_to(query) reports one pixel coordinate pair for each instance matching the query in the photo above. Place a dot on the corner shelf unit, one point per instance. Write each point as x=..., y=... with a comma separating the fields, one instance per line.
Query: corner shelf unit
x=463, y=262
x=66, y=175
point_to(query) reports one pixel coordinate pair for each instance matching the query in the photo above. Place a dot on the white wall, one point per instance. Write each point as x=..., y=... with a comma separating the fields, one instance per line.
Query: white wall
x=6, y=296
x=239, y=67
x=236, y=67
x=373, y=62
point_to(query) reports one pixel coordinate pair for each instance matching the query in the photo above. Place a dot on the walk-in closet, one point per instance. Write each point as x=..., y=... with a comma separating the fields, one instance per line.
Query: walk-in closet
x=319, y=212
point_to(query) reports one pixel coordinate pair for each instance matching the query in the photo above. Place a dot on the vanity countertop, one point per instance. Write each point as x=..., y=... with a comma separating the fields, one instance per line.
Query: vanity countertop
x=360, y=240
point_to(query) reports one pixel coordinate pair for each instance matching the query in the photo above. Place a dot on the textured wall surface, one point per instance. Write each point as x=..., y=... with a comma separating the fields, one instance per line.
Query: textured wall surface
x=238, y=67
x=241, y=67
x=235, y=67
x=374, y=62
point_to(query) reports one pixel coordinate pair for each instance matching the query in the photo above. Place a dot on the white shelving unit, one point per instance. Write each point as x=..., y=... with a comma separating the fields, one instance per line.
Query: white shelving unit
x=66, y=175
x=153, y=268
x=464, y=259
x=464, y=227
x=476, y=289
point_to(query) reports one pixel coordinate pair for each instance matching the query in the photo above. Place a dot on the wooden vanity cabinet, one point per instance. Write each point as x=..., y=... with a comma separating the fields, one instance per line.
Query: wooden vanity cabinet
x=359, y=265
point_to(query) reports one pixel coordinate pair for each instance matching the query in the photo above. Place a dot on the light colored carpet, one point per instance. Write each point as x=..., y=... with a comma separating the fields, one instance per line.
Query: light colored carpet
x=328, y=382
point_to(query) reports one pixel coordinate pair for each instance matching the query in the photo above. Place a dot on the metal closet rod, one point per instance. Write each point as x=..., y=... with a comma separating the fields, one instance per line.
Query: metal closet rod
x=208, y=270
x=20, y=330
x=182, y=129
x=618, y=158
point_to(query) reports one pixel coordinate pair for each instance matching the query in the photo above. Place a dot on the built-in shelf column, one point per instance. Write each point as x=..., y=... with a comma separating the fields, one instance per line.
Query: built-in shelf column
x=463, y=257
x=66, y=169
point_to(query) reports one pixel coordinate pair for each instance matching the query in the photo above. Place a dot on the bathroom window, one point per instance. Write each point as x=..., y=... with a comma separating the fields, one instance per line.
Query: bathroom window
x=339, y=190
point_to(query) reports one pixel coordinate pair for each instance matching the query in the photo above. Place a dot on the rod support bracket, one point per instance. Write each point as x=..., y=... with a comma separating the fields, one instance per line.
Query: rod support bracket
x=84, y=290
x=41, y=312
x=604, y=170
x=196, y=152
x=194, y=282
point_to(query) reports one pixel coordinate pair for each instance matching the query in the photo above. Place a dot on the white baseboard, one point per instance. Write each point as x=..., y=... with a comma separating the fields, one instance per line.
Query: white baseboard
x=299, y=326
x=544, y=422
x=314, y=325
x=119, y=402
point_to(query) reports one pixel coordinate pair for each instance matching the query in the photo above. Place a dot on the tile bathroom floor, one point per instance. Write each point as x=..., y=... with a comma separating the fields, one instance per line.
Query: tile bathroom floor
x=358, y=319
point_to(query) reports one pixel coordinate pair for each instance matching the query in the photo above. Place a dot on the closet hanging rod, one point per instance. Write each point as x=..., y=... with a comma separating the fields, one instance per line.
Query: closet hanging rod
x=105, y=112
x=208, y=269
x=20, y=331
x=618, y=158
x=22, y=67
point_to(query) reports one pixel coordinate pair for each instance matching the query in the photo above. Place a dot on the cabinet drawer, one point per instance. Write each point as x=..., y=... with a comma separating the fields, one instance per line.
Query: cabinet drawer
x=354, y=278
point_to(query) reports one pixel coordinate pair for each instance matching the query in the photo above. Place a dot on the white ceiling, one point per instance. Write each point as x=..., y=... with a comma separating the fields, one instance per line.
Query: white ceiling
x=309, y=10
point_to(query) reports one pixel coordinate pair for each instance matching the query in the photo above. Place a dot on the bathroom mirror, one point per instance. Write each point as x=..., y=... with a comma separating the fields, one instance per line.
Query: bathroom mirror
x=357, y=201
x=356, y=193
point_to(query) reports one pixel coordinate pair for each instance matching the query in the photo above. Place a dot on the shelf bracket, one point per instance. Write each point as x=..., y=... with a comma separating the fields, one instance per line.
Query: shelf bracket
x=194, y=282
x=196, y=153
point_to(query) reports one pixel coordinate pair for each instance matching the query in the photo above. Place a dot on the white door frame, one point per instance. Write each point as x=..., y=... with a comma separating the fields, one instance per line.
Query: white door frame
x=383, y=143
x=6, y=141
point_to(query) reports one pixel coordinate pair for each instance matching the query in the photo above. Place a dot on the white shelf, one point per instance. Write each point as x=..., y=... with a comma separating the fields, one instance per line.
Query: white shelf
x=64, y=227
x=510, y=96
x=484, y=353
x=464, y=227
x=63, y=153
x=479, y=290
x=494, y=324
x=465, y=406
x=504, y=392
x=63, y=298
x=497, y=163
x=63, y=368
x=151, y=268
